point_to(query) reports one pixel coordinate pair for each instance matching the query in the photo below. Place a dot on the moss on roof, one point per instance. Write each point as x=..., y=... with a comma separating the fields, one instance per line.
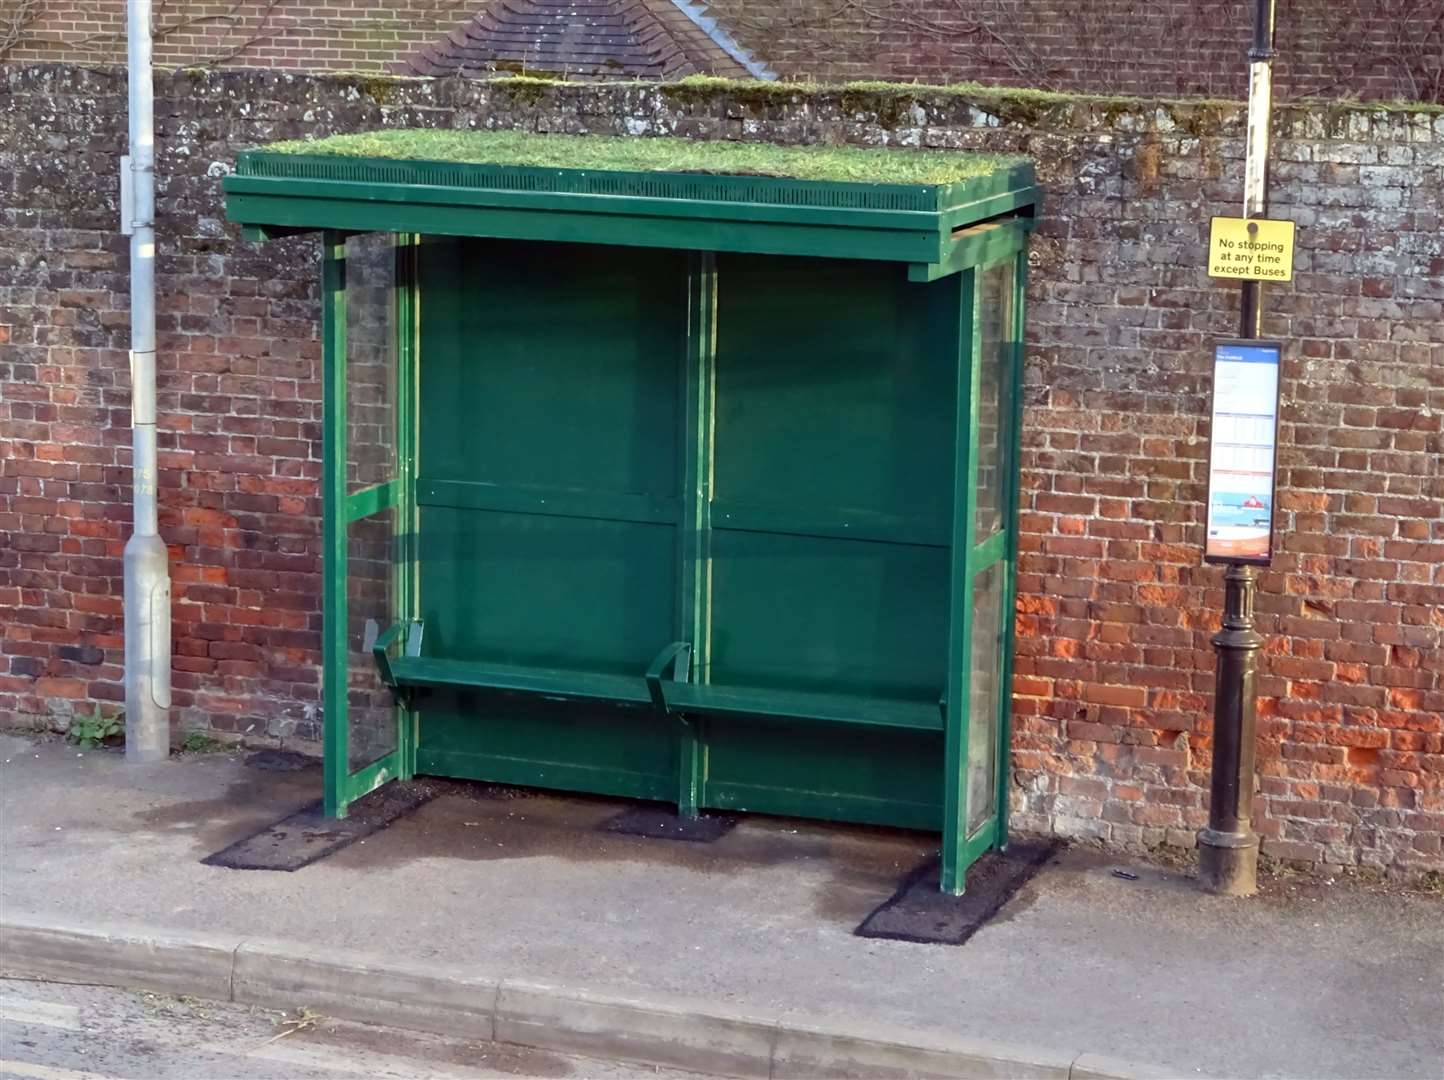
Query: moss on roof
x=637, y=154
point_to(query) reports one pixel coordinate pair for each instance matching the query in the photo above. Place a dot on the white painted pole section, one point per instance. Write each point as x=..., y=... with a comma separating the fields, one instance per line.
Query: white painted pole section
x=147, y=575
x=1256, y=161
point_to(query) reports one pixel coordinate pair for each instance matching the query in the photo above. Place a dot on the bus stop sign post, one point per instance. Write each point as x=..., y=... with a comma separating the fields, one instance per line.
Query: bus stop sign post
x=1228, y=847
x=1239, y=534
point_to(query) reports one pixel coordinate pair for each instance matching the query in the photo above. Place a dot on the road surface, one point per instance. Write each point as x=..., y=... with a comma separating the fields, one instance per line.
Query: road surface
x=52, y=1031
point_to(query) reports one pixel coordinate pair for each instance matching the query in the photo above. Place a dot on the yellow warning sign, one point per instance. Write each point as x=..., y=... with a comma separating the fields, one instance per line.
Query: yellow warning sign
x=1251, y=248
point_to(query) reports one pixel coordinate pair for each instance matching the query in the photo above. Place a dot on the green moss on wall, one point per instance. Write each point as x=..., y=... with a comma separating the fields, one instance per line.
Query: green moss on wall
x=893, y=103
x=378, y=88
x=528, y=89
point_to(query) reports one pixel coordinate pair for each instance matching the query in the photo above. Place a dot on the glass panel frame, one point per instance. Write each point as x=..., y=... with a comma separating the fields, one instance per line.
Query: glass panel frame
x=351, y=693
x=372, y=604
x=372, y=353
x=985, y=673
x=972, y=824
x=994, y=393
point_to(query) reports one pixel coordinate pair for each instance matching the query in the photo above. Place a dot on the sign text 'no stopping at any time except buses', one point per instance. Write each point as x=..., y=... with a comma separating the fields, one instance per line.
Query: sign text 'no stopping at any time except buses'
x=1257, y=248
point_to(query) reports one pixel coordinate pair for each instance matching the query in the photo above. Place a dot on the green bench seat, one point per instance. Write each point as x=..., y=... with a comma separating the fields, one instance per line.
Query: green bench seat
x=555, y=683
x=664, y=687
x=714, y=700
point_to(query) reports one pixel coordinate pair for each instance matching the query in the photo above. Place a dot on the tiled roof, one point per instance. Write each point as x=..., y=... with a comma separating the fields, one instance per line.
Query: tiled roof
x=588, y=39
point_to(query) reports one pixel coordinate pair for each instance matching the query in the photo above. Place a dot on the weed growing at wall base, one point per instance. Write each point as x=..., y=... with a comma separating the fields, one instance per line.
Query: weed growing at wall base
x=94, y=730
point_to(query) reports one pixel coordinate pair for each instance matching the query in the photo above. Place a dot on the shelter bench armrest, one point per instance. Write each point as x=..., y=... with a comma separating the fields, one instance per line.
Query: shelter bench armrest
x=380, y=648
x=676, y=657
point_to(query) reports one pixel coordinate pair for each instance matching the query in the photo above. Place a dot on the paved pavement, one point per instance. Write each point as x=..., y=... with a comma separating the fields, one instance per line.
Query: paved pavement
x=50, y=1031
x=1306, y=980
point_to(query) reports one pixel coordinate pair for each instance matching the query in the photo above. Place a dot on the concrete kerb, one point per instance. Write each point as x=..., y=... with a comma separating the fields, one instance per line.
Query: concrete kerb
x=438, y=998
x=180, y=963
x=449, y=1000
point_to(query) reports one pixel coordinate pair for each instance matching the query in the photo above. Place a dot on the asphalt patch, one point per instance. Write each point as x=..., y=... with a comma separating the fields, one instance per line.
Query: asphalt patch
x=655, y=823
x=308, y=834
x=919, y=912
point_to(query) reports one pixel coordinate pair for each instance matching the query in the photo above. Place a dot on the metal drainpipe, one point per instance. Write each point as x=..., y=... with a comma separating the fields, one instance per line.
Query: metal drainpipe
x=147, y=574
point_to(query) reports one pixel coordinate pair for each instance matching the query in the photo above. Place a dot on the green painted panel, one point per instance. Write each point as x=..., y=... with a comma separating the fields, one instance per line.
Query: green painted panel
x=834, y=419
x=552, y=365
x=514, y=739
x=827, y=806
x=883, y=777
x=549, y=478
x=549, y=398
x=837, y=616
x=555, y=592
x=835, y=385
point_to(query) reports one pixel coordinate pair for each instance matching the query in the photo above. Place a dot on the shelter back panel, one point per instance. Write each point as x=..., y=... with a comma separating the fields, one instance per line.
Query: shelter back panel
x=552, y=501
x=548, y=489
x=831, y=518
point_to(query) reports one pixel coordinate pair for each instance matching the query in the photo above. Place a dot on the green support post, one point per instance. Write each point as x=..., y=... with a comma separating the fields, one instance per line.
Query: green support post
x=1010, y=577
x=960, y=607
x=406, y=521
x=334, y=514
x=699, y=391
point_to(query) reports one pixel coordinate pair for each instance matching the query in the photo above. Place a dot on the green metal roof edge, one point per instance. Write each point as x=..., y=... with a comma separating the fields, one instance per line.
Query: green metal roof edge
x=703, y=187
x=281, y=194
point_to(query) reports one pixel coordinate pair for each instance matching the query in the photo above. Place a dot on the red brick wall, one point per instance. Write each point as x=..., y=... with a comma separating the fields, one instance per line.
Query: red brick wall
x=349, y=35
x=1114, y=679
x=1375, y=50
x=1368, y=49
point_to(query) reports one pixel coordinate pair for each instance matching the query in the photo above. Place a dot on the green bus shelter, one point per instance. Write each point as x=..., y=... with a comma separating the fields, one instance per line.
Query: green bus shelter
x=667, y=470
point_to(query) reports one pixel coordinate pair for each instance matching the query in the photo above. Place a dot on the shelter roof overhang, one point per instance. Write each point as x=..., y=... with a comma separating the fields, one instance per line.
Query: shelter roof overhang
x=937, y=211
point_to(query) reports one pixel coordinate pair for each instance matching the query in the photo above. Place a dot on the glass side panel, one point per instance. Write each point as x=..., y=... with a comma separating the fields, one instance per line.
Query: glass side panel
x=987, y=661
x=995, y=388
x=370, y=599
x=370, y=360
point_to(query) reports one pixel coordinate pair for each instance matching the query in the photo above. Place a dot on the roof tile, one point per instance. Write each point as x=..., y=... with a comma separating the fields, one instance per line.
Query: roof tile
x=598, y=39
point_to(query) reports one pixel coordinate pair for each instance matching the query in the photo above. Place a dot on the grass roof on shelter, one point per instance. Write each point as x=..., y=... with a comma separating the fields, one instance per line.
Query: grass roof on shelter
x=850, y=164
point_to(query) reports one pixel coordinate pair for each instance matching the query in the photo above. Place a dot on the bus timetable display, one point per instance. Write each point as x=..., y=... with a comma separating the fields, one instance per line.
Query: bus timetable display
x=1243, y=456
